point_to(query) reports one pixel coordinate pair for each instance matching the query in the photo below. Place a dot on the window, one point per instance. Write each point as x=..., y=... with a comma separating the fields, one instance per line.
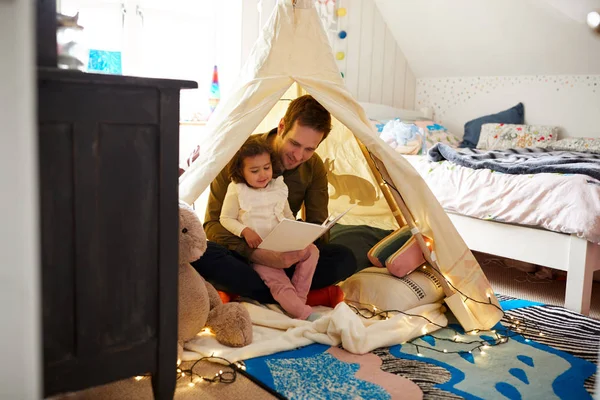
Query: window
x=175, y=39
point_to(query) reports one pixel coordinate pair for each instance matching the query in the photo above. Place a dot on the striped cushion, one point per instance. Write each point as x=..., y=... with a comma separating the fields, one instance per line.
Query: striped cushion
x=388, y=246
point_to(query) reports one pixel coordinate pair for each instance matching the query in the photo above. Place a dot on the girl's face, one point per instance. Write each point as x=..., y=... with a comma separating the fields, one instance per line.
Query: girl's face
x=257, y=170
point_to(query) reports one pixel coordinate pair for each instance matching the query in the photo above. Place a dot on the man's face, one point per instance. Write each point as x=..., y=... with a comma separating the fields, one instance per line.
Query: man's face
x=298, y=144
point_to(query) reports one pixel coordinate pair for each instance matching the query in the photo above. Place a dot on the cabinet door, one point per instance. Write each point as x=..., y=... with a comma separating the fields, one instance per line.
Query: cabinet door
x=100, y=170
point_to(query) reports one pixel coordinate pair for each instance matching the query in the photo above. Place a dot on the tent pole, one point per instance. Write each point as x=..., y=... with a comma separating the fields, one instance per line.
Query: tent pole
x=400, y=211
x=385, y=189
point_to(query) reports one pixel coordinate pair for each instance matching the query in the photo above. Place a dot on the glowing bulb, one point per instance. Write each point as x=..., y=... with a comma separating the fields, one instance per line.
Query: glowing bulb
x=428, y=244
x=178, y=361
x=420, y=355
x=483, y=353
x=220, y=372
x=593, y=19
x=178, y=370
x=138, y=378
x=425, y=331
x=456, y=338
x=493, y=331
x=485, y=346
x=470, y=352
x=191, y=384
x=445, y=350
x=488, y=296
x=527, y=340
x=541, y=333
x=424, y=266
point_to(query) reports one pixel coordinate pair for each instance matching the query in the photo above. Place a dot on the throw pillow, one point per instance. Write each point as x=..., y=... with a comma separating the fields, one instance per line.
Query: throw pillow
x=399, y=252
x=576, y=144
x=507, y=136
x=378, y=287
x=514, y=115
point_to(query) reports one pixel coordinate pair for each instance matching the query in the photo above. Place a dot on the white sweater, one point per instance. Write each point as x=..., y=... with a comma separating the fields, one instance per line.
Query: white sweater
x=258, y=209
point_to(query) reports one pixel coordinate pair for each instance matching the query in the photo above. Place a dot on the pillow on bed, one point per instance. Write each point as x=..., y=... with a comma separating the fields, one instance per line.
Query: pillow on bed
x=376, y=286
x=508, y=136
x=514, y=115
x=576, y=144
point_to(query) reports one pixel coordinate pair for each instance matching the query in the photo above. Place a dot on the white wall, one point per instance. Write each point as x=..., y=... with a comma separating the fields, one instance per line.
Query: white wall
x=19, y=228
x=374, y=67
x=494, y=37
x=568, y=101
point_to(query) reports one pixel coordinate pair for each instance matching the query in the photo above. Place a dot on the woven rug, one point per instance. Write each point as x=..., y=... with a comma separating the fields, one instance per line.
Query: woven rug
x=550, y=353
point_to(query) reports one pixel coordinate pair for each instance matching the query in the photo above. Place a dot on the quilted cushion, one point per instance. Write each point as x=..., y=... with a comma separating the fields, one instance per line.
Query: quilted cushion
x=399, y=252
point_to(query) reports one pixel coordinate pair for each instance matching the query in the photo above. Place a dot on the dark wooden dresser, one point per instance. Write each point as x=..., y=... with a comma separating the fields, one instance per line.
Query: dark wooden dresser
x=108, y=159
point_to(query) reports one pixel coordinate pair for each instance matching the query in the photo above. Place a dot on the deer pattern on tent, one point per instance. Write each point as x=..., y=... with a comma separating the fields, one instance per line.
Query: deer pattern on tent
x=359, y=190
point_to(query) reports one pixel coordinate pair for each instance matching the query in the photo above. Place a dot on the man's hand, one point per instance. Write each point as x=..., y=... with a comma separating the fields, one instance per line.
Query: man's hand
x=277, y=260
x=252, y=238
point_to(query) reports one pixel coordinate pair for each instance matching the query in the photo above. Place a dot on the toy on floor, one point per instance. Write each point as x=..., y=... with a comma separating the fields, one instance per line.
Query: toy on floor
x=199, y=303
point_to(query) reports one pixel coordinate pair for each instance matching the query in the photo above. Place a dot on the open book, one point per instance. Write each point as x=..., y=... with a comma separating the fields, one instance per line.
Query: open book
x=291, y=235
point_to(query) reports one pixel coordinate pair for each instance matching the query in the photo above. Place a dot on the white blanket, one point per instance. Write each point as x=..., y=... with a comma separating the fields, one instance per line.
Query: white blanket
x=273, y=332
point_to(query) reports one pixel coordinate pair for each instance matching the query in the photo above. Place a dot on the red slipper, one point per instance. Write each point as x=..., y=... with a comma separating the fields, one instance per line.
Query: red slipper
x=329, y=296
x=226, y=297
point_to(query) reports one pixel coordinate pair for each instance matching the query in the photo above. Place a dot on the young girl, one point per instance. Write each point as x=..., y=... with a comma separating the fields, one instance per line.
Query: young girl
x=254, y=204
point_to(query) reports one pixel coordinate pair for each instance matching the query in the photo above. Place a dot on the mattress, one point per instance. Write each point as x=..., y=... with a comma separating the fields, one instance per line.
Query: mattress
x=566, y=203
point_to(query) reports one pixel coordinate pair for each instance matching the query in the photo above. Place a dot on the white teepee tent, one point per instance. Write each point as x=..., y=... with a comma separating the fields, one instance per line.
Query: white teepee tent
x=293, y=47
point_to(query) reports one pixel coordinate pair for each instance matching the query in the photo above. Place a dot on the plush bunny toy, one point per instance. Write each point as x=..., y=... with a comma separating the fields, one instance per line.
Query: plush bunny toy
x=199, y=303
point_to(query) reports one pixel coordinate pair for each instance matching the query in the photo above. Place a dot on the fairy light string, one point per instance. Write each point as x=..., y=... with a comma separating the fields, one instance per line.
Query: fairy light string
x=227, y=372
x=517, y=327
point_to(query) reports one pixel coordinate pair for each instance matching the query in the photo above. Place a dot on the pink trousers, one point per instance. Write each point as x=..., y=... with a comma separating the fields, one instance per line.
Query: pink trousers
x=291, y=294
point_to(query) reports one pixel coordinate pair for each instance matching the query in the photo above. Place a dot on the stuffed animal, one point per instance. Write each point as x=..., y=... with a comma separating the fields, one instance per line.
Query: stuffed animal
x=199, y=303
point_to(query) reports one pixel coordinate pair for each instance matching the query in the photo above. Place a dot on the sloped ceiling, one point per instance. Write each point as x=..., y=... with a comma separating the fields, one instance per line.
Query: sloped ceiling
x=453, y=38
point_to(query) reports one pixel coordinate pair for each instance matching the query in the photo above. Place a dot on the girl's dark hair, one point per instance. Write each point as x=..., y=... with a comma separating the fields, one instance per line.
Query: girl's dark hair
x=254, y=146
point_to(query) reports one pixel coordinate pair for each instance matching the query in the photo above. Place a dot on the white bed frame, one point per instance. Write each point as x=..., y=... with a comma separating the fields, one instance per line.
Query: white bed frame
x=564, y=252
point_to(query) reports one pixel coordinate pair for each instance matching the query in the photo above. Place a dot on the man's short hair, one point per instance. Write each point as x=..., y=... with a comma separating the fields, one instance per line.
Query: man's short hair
x=308, y=112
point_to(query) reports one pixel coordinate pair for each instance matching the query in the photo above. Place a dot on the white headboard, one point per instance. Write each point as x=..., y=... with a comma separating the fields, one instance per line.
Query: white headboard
x=384, y=112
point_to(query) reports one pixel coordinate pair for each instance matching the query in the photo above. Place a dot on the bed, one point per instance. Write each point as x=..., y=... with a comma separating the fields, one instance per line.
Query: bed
x=539, y=239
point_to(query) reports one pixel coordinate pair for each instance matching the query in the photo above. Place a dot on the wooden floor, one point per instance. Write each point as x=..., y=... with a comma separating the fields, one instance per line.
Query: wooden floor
x=516, y=283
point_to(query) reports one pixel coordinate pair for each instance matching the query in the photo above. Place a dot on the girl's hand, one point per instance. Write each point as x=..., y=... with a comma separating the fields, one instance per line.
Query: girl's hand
x=252, y=238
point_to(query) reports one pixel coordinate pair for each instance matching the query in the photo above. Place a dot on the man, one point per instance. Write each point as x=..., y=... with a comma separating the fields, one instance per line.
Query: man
x=226, y=263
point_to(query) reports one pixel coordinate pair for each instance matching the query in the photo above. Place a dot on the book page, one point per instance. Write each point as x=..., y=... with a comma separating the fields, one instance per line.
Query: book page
x=290, y=235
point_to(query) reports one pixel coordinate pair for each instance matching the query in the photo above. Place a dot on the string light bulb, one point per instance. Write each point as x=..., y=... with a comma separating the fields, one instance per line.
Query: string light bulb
x=139, y=378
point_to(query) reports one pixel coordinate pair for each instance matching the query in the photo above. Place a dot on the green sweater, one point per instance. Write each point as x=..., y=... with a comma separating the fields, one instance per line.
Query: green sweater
x=307, y=184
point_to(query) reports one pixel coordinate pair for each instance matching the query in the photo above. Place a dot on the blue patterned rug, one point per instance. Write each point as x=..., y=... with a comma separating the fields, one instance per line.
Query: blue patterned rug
x=559, y=363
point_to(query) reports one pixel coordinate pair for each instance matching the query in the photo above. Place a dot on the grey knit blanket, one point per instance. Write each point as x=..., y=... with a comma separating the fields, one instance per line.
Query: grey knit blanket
x=531, y=160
